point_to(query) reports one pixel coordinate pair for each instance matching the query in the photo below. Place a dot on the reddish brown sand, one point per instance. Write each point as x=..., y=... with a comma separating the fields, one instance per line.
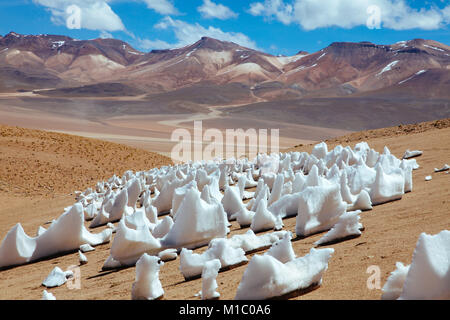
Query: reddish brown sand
x=390, y=235
x=35, y=162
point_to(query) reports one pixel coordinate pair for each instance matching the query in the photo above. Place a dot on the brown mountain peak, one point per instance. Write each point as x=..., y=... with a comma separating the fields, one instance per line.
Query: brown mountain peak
x=213, y=44
x=302, y=52
x=13, y=34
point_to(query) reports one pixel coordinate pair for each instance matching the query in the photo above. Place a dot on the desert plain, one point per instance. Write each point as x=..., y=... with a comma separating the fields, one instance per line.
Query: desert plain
x=40, y=170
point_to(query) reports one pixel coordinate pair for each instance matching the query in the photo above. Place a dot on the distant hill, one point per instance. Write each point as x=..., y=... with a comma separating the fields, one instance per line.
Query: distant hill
x=48, y=163
x=91, y=67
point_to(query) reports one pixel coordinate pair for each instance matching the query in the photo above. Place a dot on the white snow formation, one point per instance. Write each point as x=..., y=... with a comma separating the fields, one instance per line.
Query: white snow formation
x=230, y=252
x=47, y=295
x=56, y=278
x=387, y=68
x=196, y=223
x=319, y=208
x=282, y=249
x=444, y=168
x=65, y=234
x=428, y=275
x=209, y=284
x=264, y=219
x=191, y=264
x=129, y=244
x=86, y=247
x=348, y=225
x=147, y=285
x=393, y=287
x=266, y=277
x=411, y=154
x=249, y=242
x=82, y=258
x=168, y=254
x=178, y=208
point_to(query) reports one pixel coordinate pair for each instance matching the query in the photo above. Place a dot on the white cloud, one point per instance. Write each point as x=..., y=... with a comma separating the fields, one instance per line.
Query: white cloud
x=446, y=13
x=187, y=34
x=273, y=8
x=211, y=10
x=94, y=14
x=147, y=44
x=258, y=9
x=161, y=6
x=313, y=14
x=105, y=35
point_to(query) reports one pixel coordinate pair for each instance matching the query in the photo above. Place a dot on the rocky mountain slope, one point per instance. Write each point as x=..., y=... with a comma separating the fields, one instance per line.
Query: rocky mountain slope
x=341, y=69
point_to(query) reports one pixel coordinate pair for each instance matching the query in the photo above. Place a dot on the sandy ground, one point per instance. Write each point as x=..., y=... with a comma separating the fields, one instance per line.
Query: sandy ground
x=35, y=162
x=150, y=130
x=390, y=235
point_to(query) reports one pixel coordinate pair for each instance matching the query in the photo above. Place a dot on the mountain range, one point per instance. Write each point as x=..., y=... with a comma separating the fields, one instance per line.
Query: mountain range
x=217, y=72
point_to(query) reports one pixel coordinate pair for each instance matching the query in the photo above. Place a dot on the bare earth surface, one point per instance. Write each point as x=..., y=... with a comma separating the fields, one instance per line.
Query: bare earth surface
x=73, y=163
x=35, y=162
x=136, y=123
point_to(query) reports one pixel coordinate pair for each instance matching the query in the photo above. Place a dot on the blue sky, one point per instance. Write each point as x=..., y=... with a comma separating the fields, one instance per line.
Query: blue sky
x=273, y=26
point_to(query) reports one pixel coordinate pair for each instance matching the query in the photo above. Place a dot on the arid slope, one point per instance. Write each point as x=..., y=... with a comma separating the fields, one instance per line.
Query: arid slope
x=35, y=162
x=390, y=235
